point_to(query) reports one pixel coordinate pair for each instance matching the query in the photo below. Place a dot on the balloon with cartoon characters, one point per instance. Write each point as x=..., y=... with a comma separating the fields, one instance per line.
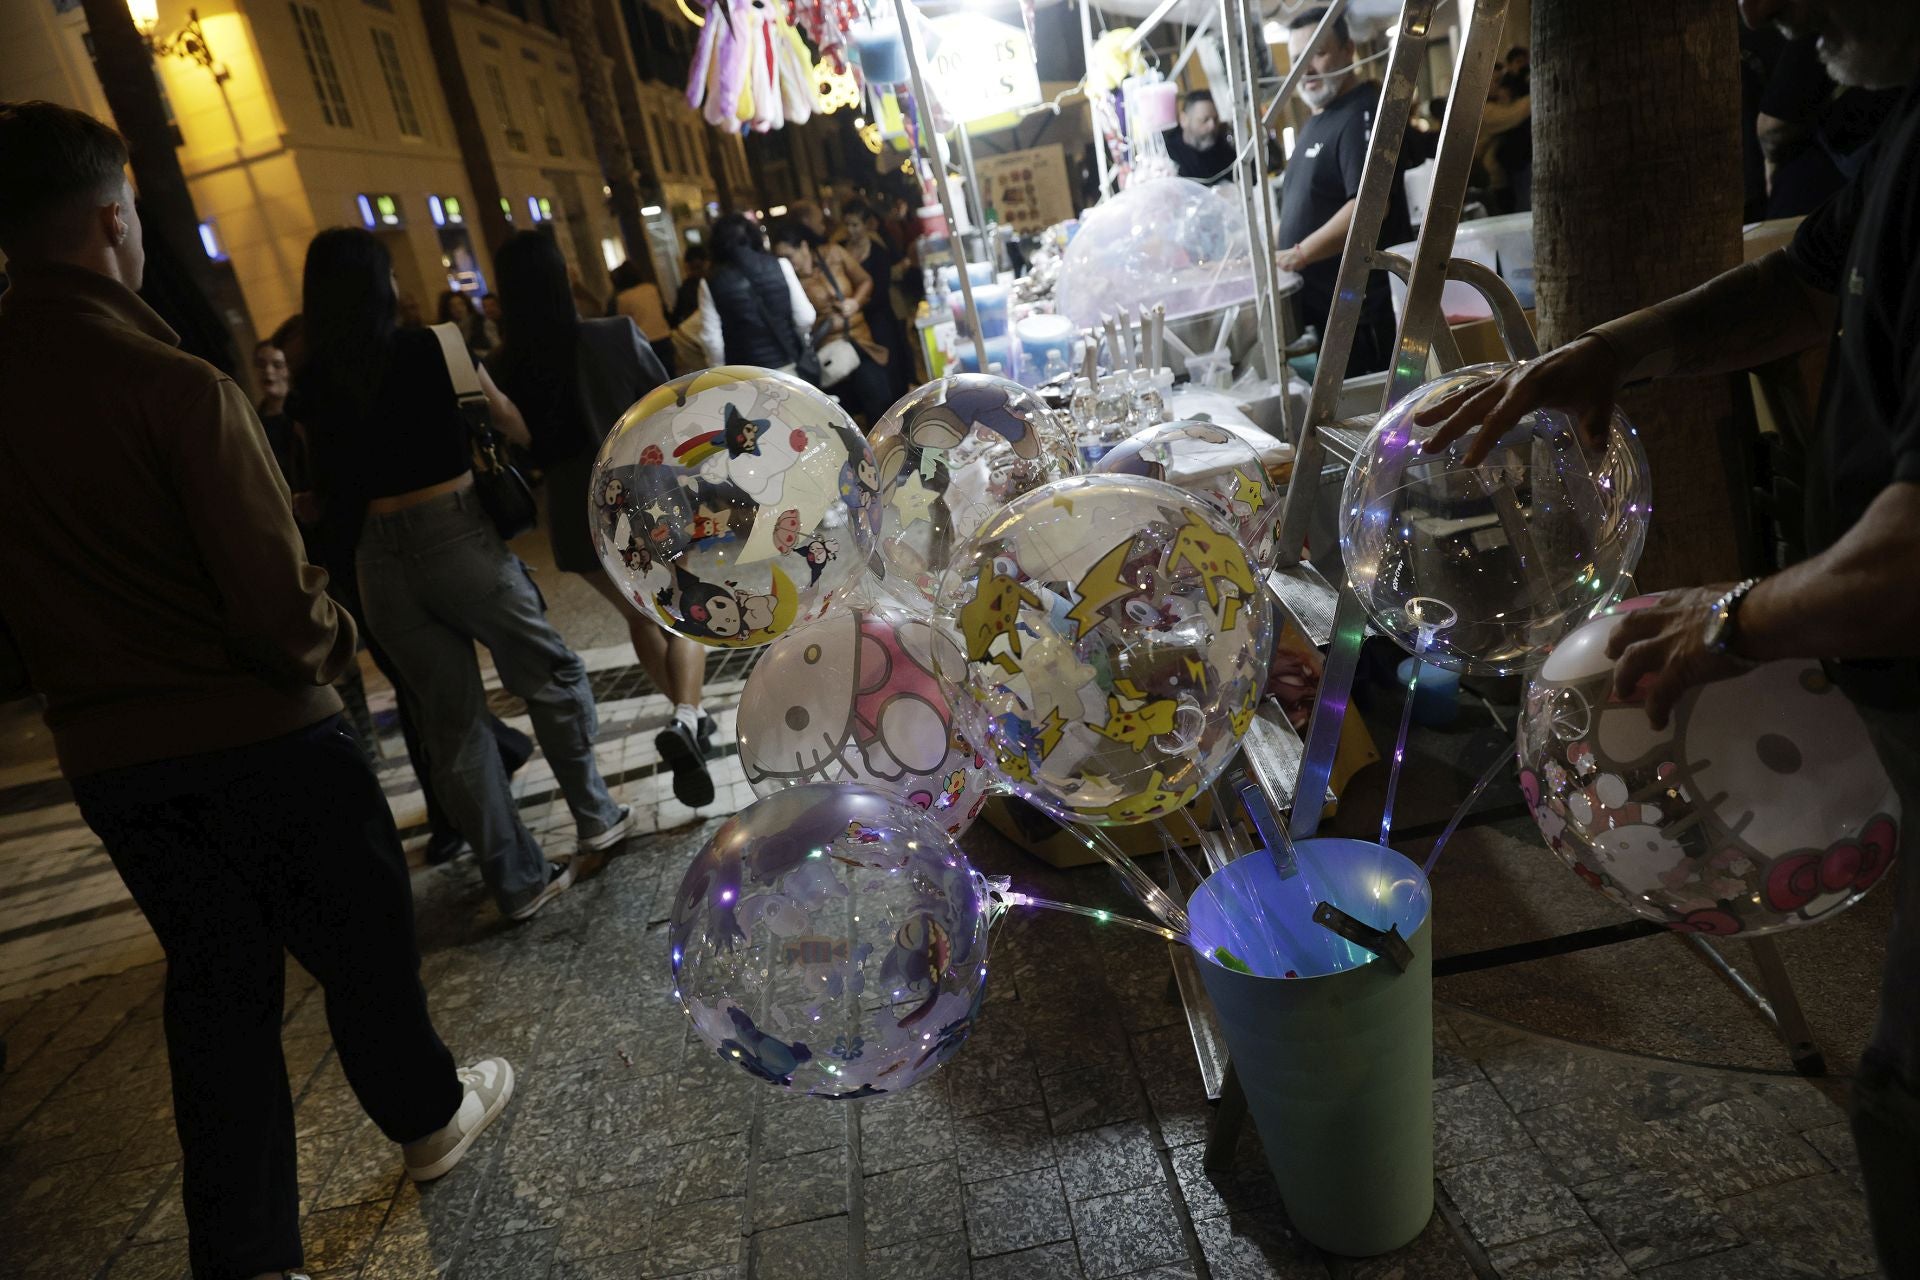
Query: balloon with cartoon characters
x=832, y=941
x=1114, y=637
x=1215, y=466
x=1761, y=807
x=853, y=697
x=952, y=453
x=734, y=504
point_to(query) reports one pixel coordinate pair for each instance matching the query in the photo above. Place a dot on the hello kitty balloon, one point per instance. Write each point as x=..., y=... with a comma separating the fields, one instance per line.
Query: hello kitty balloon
x=854, y=698
x=1761, y=807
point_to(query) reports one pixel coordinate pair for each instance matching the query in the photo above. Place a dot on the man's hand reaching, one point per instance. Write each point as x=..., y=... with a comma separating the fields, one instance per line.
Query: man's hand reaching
x=1581, y=379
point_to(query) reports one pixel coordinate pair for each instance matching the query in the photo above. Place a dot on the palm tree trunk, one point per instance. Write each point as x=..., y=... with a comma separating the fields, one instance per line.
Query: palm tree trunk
x=581, y=27
x=468, y=132
x=1637, y=197
x=626, y=97
x=167, y=213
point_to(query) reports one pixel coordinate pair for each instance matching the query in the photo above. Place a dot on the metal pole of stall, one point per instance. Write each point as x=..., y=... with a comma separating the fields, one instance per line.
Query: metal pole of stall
x=1263, y=229
x=930, y=156
x=1093, y=115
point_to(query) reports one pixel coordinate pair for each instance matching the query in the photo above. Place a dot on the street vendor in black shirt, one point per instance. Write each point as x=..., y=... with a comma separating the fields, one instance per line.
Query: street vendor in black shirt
x=1200, y=146
x=1320, y=190
x=1851, y=279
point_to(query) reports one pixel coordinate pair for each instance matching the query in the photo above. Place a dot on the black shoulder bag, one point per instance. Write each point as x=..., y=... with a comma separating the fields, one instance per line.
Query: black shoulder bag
x=502, y=490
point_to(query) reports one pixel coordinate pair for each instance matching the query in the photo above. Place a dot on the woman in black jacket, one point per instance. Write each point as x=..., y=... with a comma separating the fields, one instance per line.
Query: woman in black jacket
x=572, y=379
x=752, y=308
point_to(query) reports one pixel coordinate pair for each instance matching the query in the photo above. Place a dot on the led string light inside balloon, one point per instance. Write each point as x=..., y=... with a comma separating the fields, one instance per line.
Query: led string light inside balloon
x=1014, y=898
x=1431, y=617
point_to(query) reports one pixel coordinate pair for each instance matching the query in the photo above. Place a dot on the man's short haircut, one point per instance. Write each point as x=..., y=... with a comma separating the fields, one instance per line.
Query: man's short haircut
x=55, y=164
x=1311, y=18
x=1195, y=98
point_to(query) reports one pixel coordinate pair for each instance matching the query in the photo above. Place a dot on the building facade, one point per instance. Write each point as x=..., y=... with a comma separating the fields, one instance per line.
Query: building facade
x=331, y=113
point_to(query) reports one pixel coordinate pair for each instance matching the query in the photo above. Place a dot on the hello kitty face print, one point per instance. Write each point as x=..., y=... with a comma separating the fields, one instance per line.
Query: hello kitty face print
x=854, y=697
x=1761, y=807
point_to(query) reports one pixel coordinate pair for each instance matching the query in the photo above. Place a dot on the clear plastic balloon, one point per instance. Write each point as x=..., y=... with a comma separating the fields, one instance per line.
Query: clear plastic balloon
x=1761, y=807
x=854, y=697
x=1113, y=640
x=1213, y=465
x=734, y=503
x=1169, y=241
x=950, y=454
x=1482, y=569
x=831, y=940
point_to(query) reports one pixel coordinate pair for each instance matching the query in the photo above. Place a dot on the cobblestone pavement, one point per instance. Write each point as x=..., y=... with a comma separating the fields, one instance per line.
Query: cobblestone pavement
x=1063, y=1141
x=65, y=916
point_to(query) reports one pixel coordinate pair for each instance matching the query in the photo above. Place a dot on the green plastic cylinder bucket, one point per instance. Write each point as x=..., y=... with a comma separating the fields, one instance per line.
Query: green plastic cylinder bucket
x=1332, y=1043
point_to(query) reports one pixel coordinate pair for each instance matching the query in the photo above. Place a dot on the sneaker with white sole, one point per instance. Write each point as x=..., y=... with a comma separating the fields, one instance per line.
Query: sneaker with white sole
x=685, y=753
x=559, y=880
x=487, y=1087
x=622, y=828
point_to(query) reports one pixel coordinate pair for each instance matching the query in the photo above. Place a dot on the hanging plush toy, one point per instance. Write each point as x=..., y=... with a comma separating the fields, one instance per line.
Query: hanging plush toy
x=825, y=23
x=795, y=73
x=719, y=82
x=762, y=73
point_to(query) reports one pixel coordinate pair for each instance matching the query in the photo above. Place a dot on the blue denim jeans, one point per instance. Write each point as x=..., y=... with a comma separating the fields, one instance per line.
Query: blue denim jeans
x=436, y=578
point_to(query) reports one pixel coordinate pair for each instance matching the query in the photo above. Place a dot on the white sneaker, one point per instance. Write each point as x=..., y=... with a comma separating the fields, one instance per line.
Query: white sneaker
x=622, y=828
x=488, y=1086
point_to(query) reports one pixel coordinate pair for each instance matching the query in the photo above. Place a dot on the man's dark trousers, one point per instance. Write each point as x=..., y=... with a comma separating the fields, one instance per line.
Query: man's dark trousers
x=237, y=857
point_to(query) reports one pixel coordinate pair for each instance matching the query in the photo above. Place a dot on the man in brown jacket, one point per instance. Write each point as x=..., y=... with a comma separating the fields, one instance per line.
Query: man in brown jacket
x=153, y=581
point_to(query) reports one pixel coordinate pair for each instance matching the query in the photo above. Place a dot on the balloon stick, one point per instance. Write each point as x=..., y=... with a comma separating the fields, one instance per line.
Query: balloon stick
x=1175, y=849
x=1486, y=779
x=1156, y=898
x=1429, y=626
x=1015, y=898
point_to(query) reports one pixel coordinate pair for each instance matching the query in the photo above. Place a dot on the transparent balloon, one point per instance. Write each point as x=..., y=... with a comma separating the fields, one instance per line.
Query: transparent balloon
x=950, y=454
x=1113, y=640
x=854, y=697
x=734, y=503
x=831, y=940
x=1482, y=569
x=1761, y=807
x=1169, y=241
x=1213, y=465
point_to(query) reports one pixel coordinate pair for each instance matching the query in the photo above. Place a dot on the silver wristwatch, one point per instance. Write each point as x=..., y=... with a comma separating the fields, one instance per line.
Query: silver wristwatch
x=1720, y=621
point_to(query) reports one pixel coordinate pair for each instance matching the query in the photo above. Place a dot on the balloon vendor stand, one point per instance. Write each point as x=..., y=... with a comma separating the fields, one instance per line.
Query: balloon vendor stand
x=1086, y=620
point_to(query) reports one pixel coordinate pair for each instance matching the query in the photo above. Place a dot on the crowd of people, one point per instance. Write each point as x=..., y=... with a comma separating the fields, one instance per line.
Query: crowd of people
x=194, y=635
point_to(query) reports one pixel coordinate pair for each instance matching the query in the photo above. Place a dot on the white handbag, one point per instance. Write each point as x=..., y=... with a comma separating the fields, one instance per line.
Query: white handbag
x=838, y=359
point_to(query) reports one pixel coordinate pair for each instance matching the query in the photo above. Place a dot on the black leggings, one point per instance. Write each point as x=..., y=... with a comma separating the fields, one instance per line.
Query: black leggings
x=865, y=392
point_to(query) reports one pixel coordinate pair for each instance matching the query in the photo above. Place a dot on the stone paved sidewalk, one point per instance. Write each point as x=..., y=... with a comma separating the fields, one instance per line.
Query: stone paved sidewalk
x=1064, y=1141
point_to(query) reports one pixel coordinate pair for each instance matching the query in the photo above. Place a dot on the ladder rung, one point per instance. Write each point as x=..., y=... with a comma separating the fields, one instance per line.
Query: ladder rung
x=1272, y=750
x=1306, y=597
x=1343, y=439
x=1209, y=1046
